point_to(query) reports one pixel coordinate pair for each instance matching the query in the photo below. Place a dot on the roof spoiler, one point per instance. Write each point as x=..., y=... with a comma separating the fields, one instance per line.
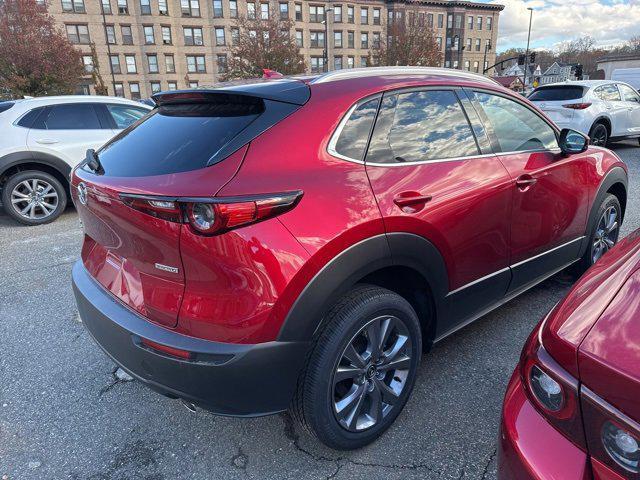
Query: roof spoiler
x=285, y=90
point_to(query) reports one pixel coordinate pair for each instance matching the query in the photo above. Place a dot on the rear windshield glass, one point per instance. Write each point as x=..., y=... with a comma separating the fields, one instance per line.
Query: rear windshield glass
x=4, y=106
x=559, y=93
x=178, y=138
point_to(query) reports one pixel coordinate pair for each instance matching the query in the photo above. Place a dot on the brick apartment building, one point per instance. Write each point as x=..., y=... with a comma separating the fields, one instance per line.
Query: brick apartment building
x=145, y=46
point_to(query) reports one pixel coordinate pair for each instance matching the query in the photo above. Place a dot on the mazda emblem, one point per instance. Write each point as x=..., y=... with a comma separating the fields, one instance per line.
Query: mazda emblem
x=82, y=193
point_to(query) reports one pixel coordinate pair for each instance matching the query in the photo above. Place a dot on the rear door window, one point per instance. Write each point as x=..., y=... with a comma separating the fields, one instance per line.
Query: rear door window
x=420, y=126
x=608, y=93
x=73, y=116
x=515, y=126
x=352, y=139
x=125, y=115
x=557, y=94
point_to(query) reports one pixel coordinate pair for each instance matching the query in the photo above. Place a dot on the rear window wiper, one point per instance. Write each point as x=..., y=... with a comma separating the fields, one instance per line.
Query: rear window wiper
x=93, y=162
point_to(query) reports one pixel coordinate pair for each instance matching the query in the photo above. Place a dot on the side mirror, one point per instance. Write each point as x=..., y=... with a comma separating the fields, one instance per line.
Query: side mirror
x=572, y=142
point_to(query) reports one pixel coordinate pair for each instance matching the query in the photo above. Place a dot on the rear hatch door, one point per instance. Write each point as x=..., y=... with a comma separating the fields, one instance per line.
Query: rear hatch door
x=553, y=98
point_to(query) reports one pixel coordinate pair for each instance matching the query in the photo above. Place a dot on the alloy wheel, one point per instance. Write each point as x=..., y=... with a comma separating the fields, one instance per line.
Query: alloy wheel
x=372, y=373
x=599, y=136
x=34, y=199
x=606, y=234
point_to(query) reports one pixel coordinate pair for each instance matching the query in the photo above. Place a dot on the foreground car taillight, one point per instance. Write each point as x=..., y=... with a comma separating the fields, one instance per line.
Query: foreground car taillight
x=577, y=106
x=612, y=437
x=551, y=389
x=212, y=216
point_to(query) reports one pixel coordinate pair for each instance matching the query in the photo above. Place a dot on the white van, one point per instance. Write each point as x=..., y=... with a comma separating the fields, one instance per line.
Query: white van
x=627, y=75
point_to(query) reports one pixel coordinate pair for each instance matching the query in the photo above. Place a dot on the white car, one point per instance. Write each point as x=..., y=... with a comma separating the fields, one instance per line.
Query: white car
x=42, y=139
x=603, y=109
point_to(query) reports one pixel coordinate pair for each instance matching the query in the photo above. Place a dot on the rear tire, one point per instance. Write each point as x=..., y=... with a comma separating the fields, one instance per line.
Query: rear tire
x=33, y=197
x=599, y=134
x=604, y=234
x=352, y=389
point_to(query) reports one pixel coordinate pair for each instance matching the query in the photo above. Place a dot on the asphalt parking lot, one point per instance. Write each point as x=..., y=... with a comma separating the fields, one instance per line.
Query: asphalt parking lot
x=64, y=413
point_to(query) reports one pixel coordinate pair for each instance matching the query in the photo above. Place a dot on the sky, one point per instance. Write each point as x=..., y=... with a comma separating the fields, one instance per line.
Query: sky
x=609, y=22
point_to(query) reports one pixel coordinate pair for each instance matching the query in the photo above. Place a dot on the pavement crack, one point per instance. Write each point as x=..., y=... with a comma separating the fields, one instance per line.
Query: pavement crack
x=485, y=471
x=118, y=376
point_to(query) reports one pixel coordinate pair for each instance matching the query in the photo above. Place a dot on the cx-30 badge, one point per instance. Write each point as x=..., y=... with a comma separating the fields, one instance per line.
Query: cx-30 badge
x=167, y=268
x=82, y=193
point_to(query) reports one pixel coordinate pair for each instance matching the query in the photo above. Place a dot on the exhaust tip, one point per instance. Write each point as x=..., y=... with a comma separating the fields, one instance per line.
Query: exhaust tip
x=188, y=405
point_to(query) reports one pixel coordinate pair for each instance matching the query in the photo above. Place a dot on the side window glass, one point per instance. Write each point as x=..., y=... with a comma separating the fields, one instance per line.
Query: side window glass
x=353, y=138
x=77, y=116
x=419, y=126
x=125, y=115
x=629, y=94
x=516, y=127
x=608, y=93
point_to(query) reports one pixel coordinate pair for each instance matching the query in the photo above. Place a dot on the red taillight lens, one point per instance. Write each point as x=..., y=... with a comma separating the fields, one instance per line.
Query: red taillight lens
x=613, y=438
x=551, y=389
x=577, y=106
x=212, y=216
x=174, y=352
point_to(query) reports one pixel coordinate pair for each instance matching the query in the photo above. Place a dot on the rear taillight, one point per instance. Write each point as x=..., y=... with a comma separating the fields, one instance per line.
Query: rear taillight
x=613, y=439
x=577, y=106
x=212, y=216
x=551, y=389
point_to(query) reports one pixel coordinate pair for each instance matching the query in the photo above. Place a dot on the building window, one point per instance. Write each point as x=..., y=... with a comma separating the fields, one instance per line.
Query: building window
x=351, y=62
x=337, y=63
x=134, y=88
x=192, y=36
x=479, y=23
x=196, y=64
x=220, y=40
x=145, y=7
x=376, y=40
x=455, y=64
x=337, y=39
x=169, y=64
x=489, y=23
x=163, y=8
x=350, y=14
x=106, y=7
x=76, y=6
x=470, y=22
x=166, y=35
x=316, y=13
x=156, y=87
x=87, y=61
x=469, y=44
x=317, y=64
x=149, y=37
x=233, y=8
x=221, y=60
x=119, y=89
x=478, y=42
x=123, y=7
x=317, y=39
x=193, y=84
x=476, y=66
x=152, y=62
x=127, y=35
x=115, y=64
x=376, y=16
x=351, y=40
x=298, y=12
x=458, y=21
x=430, y=20
x=364, y=40
x=172, y=85
x=284, y=10
x=440, y=20
x=337, y=14
x=190, y=8
x=217, y=9
x=364, y=15
x=235, y=35
x=299, y=39
x=110, y=32
x=78, y=34
x=450, y=20
x=467, y=65
x=251, y=10
x=264, y=11
x=130, y=62
x=364, y=62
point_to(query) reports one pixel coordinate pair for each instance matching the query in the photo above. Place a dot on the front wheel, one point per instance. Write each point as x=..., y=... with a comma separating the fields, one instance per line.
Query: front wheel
x=605, y=232
x=599, y=135
x=362, y=369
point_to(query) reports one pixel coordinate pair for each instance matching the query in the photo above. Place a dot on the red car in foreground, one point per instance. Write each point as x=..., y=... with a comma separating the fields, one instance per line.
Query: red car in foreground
x=572, y=408
x=295, y=242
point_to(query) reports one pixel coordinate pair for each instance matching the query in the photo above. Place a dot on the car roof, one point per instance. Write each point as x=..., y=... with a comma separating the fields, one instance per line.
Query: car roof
x=580, y=83
x=53, y=100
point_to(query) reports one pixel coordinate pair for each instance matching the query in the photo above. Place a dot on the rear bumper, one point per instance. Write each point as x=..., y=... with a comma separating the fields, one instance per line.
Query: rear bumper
x=227, y=379
x=530, y=448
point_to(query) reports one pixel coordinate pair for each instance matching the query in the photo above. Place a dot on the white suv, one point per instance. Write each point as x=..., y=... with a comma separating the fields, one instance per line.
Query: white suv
x=42, y=139
x=603, y=109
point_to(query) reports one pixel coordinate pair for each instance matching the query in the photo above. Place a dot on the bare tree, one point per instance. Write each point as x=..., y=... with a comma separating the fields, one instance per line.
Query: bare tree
x=264, y=43
x=35, y=57
x=408, y=42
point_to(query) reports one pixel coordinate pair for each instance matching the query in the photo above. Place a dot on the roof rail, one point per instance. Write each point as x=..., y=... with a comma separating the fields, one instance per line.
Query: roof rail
x=374, y=71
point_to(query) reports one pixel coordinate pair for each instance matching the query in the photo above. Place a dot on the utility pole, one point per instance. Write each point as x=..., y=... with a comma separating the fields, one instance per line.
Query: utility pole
x=487, y=47
x=104, y=28
x=526, y=58
x=326, y=38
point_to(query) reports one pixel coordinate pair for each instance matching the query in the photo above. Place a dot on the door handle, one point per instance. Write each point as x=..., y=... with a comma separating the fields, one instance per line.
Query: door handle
x=46, y=141
x=523, y=182
x=411, y=202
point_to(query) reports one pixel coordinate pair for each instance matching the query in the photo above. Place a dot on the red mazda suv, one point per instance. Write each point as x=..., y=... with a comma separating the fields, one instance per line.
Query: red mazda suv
x=572, y=408
x=297, y=242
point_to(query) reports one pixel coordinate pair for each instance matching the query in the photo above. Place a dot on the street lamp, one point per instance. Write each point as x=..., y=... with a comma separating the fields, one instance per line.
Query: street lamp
x=526, y=57
x=326, y=38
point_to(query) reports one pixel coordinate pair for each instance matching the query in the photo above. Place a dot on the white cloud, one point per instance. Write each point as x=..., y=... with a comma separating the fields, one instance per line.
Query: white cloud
x=609, y=22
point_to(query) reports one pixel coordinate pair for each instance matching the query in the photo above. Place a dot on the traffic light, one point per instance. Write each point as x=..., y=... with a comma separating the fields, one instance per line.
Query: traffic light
x=578, y=72
x=521, y=59
x=532, y=58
